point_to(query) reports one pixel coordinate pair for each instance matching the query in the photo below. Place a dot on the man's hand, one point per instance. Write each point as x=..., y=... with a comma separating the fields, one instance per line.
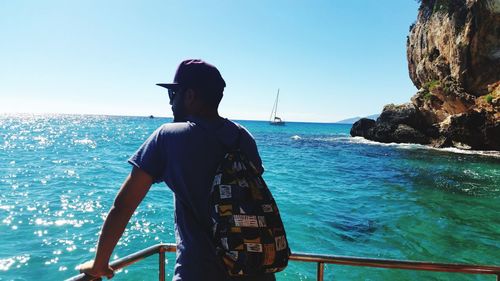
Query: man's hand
x=89, y=269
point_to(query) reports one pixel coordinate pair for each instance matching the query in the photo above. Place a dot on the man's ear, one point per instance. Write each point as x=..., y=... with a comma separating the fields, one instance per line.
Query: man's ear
x=189, y=96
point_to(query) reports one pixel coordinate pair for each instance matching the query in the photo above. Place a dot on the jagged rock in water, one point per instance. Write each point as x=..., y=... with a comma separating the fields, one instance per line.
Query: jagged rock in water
x=472, y=130
x=406, y=113
x=397, y=123
x=453, y=53
x=405, y=133
x=361, y=127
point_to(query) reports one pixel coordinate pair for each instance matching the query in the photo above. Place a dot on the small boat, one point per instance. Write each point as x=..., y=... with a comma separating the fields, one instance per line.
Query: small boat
x=151, y=116
x=275, y=120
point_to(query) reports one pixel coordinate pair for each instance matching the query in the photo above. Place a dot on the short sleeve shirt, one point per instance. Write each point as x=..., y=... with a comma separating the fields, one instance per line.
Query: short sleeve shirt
x=185, y=156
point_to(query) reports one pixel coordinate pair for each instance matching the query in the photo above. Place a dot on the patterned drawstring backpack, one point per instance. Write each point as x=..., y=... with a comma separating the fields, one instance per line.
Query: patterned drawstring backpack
x=247, y=228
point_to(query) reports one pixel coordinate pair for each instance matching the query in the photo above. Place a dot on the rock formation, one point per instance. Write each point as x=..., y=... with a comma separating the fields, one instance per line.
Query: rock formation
x=453, y=53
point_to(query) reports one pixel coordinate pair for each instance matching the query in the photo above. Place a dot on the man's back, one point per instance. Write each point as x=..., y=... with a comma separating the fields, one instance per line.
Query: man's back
x=185, y=156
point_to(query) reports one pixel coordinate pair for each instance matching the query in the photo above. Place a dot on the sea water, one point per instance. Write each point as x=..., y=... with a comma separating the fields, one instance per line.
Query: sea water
x=337, y=195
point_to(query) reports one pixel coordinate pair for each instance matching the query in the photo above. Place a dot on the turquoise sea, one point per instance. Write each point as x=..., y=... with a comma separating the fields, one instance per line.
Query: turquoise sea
x=337, y=195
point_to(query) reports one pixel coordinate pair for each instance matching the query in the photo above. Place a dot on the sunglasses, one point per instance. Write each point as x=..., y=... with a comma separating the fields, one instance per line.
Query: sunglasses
x=172, y=93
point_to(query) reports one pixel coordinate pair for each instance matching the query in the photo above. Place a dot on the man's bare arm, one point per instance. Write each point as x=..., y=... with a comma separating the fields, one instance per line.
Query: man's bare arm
x=132, y=192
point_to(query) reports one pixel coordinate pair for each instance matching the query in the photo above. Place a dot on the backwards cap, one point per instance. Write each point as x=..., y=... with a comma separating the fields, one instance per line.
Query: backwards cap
x=197, y=74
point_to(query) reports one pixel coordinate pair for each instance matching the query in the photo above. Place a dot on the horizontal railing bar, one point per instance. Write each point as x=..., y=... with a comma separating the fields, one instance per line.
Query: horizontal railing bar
x=397, y=264
x=130, y=259
x=341, y=260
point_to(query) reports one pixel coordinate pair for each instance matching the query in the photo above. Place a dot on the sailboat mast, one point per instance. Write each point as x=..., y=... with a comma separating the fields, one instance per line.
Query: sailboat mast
x=276, y=108
x=272, y=112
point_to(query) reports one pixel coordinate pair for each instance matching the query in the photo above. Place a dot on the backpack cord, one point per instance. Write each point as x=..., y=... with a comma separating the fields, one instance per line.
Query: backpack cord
x=227, y=148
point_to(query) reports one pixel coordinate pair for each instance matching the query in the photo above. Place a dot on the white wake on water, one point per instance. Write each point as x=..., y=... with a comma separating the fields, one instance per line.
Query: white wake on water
x=361, y=140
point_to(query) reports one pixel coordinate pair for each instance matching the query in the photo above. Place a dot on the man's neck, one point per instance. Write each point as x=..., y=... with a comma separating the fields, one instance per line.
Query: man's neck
x=209, y=115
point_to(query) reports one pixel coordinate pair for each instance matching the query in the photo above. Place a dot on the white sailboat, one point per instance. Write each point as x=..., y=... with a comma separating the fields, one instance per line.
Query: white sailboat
x=275, y=120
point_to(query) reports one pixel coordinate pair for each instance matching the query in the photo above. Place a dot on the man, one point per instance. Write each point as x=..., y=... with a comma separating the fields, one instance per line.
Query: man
x=184, y=155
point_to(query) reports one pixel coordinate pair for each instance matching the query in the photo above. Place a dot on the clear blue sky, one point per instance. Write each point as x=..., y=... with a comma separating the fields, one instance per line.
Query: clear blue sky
x=331, y=59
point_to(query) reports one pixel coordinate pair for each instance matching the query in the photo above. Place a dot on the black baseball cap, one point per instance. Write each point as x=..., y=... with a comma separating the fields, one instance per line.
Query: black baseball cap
x=196, y=73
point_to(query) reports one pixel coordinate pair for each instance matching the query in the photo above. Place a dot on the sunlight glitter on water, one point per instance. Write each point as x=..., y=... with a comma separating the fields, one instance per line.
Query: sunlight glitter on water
x=7, y=263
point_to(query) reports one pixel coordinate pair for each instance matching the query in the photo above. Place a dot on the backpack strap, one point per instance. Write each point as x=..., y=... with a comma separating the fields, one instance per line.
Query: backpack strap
x=232, y=147
x=237, y=142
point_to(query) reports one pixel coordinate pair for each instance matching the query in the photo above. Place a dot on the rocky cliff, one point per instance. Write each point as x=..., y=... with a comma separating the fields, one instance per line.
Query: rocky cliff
x=453, y=53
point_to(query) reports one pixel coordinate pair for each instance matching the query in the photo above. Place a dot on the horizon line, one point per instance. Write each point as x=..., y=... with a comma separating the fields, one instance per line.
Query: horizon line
x=162, y=116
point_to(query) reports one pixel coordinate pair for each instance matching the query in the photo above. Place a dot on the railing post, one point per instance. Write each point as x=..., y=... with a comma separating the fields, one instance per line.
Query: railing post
x=161, y=255
x=321, y=269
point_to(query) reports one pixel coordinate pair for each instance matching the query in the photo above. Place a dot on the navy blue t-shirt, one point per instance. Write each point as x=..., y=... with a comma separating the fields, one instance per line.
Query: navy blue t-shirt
x=185, y=156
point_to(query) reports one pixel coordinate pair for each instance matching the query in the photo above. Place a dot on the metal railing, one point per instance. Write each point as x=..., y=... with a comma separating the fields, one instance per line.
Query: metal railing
x=320, y=260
